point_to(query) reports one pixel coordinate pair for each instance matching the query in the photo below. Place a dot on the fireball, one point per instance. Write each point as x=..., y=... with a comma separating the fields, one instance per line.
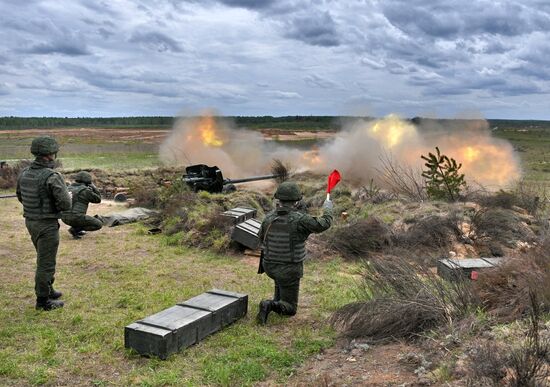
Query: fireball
x=208, y=131
x=493, y=164
x=392, y=131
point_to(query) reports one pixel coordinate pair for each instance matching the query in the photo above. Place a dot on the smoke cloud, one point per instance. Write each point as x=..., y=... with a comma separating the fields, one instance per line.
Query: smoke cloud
x=360, y=147
x=356, y=151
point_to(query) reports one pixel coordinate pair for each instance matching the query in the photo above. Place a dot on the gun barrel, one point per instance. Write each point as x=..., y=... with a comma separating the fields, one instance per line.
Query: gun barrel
x=8, y=196
x=247, y=179
x=195, y=179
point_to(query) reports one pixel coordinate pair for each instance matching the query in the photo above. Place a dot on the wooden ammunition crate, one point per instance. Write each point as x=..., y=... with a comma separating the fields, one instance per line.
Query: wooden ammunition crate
x=453, y=269
x=186, y=323
x=247, y=233
x=239, y=214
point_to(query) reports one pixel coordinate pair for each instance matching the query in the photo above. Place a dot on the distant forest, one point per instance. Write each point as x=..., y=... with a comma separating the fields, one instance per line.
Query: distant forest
x=259, y=122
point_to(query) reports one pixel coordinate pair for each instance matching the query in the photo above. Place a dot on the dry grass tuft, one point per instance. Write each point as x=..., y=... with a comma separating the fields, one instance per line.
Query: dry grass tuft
x=434, y=231
x=487, y=364
x=281, y=169
x=361, y=237
x=529, y=196
x=523, y=363
x=499, y=225
x=402, y=300
x=505, y=291
x=402, y=180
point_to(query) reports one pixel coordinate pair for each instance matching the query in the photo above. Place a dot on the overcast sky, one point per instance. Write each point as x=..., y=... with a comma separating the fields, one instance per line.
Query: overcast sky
x=290, y=57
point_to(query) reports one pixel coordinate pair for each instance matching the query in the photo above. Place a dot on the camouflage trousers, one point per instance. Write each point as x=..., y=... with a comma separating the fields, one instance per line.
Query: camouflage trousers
x=45, y=238
x=287, y=286
x=82, y=222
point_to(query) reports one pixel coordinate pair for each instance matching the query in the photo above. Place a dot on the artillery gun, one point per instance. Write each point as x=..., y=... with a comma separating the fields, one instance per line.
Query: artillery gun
x=201, y=177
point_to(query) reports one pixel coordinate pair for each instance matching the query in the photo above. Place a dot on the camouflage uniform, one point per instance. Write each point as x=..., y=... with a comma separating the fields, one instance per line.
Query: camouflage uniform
x=44, y=194
x=283, y=234
x=83, y=192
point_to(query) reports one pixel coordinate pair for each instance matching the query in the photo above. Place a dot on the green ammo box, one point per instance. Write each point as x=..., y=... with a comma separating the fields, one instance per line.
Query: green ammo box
x=186, y=323
x=454, y=269
x=247, y=233
x=239, y=214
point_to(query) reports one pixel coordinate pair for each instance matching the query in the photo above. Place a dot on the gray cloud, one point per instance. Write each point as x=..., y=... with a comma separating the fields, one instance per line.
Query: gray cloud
x=4, y=89
x=156, y=41
x=317, y=81
x=261, y=57
x=314, y=29
x=250, y=4
x=63, y=48
x=278, y=94
x=505, y=18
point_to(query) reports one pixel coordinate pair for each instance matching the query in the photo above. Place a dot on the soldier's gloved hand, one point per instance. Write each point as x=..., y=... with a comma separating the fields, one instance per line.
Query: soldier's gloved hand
x=328, y=205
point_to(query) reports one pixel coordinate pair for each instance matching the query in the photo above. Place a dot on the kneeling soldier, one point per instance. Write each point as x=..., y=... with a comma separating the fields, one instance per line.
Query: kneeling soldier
x=83, y=192
x=283, y=234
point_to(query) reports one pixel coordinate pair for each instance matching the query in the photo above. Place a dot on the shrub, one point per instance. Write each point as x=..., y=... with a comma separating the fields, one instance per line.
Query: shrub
x=530, y=361
x=504, y=290
x=360, y=237
x=401, y=180
x=517, y=364
x=401, y=300
x=145, y=195
x=499, y=225
x=373, y=194
x=197, y=215
x=443, y=181
x=487, y=364
x=434, y=231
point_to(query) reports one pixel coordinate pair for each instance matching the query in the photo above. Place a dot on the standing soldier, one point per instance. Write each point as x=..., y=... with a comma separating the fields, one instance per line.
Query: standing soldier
x=43, y=193
x=83, y=192
x=283, y=234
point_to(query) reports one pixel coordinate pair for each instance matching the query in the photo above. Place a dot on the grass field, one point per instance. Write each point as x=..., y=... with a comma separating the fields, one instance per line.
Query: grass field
x=118, y=275
x=533, y=147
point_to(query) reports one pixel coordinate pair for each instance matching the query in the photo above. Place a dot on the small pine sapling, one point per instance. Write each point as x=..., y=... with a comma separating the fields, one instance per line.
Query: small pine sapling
x=443, y=180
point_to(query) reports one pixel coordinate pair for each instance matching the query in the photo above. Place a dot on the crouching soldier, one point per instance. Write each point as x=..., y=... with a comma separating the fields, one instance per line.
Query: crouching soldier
x=283, y=234
x=44, y=195
x=83, y=192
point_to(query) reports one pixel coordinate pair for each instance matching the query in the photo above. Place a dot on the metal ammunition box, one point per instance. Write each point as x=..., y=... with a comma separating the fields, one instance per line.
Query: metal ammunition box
x=238, y=215
x=186, y=323
x=247, y=233
x=454, y=269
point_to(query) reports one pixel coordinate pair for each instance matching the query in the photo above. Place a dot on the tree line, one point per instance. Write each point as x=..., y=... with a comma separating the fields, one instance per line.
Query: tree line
x=252, y=122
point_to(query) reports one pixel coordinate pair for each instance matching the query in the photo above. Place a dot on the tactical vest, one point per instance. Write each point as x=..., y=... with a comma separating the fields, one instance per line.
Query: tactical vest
x=80, y=206
x=37, y=203
x=280, y=244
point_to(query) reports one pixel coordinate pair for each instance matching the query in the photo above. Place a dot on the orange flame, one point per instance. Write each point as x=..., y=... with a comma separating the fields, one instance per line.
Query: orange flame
x=488, y=163
x=207, y=129
x=312, y=158
x=392, y=131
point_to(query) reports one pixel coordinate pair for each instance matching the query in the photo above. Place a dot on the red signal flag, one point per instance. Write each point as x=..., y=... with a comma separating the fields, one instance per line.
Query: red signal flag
x=333, y=179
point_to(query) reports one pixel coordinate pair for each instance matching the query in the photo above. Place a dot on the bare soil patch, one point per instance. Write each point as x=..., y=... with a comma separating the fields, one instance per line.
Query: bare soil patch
x=290, y=135
x=361, y=365
x=98, y=134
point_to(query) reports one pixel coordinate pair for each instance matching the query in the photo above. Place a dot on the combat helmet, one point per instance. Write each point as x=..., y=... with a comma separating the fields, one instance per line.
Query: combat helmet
x=44, y=145
x=288, y=191
x=83, y=177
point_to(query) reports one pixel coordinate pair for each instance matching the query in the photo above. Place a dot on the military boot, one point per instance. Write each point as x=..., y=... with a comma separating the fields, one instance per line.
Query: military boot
x=81, y=233
x=74, y=233
x=263, y=312
x=54, y=294
x=45, y=303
